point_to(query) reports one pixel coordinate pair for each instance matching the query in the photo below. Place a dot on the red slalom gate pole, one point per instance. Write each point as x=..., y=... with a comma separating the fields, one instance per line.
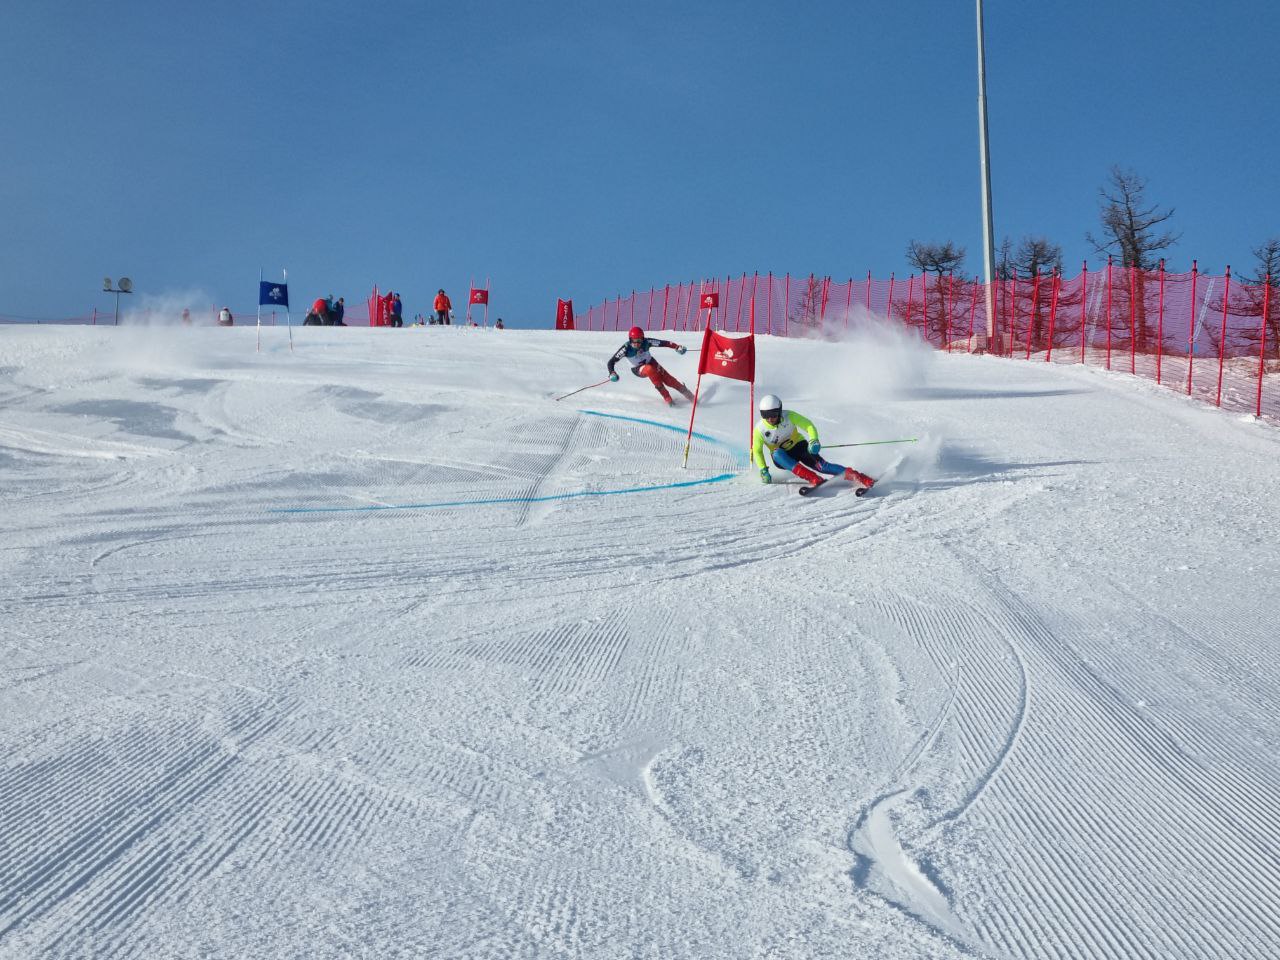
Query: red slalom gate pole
x=889, y=308
x=867, y=304
x=1222, y=342
x=666, y=296
x=1160, y=325
x=1084, y=299
x=1191, y=326
x=848, y=304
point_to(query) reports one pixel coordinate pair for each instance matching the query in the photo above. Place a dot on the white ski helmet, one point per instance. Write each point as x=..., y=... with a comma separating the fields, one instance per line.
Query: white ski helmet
x=770, y=406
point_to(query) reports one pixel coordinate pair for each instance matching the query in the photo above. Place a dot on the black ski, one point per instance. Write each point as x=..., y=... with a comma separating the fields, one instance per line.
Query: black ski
x=805, y=491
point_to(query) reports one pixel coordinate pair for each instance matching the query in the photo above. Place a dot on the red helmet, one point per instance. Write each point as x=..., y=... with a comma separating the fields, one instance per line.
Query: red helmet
x=635, y=333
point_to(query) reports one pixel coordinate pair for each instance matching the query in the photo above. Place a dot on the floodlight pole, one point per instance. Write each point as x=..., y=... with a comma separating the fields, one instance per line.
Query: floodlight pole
x=988, y=231
x=109, y=287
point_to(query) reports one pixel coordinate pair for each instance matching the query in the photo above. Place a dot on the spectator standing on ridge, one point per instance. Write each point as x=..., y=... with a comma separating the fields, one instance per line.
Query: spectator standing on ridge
x=397, y=318
x=224, y=318
x=636, y=352
x=186, y=317
x=319, y=310
x=443, y=308
x=339, y=311
x=498, y=325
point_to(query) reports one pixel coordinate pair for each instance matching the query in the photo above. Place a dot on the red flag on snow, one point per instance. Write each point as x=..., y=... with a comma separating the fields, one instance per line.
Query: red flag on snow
x=711, y=300
x=479, y=296
x=732, y=357
x=564, y=314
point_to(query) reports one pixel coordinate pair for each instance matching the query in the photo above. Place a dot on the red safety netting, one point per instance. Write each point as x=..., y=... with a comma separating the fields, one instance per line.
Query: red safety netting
x=1213, y=337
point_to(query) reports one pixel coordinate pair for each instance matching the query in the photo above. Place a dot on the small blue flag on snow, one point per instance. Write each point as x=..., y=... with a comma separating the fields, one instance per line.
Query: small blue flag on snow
x=273, y=294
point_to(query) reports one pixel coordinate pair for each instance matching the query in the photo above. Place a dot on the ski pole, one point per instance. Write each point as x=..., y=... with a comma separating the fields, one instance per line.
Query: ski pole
x=587, y=387
x=866, y=443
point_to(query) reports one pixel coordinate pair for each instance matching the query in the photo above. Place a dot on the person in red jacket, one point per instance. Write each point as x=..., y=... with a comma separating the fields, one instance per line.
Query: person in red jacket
x=318, y=315
x=442, y=307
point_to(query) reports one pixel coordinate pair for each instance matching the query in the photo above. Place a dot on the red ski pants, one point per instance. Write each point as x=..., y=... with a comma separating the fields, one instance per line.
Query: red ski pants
x=659, y=377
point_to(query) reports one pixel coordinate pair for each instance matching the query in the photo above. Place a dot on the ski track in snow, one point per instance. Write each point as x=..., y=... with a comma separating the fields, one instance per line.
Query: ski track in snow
x=1019, y=702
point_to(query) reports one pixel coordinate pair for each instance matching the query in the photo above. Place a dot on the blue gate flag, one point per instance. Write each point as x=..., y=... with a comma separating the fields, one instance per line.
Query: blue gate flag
x=273, y=294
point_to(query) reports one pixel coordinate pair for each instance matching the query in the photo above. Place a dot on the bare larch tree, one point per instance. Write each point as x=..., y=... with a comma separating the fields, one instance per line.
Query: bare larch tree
x=1129, y=228
x=1267, y=269
x=940, y=259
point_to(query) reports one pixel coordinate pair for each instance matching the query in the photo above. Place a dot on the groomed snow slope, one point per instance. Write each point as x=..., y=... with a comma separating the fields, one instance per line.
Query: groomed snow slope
x=325, y=654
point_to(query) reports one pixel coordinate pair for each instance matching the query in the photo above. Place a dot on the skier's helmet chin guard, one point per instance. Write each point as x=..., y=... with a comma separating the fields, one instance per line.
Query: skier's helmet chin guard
x=635, y=333
x=771, y=408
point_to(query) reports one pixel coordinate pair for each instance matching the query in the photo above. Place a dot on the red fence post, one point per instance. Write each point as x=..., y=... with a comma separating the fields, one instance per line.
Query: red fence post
x=1010, y=303
x=1262, y=340
x=868, y=303
x=1053, y=314
x=1035, y=305
x=768, y=307
x=911, y=291
x=889, y=308
x=1133, y=313
x=951, y=301
x=1084, y=298
x=973, y=313
x=1191, y=327
x=1108, y=312
x=786, y=307
x=848, y=304
x=1160, y=325
x=1222, y=342
x=737, y=324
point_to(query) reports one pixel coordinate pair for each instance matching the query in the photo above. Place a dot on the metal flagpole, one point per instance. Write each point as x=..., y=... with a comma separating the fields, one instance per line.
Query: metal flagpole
x=287, y=311
x=259, y=349
x=988, y=231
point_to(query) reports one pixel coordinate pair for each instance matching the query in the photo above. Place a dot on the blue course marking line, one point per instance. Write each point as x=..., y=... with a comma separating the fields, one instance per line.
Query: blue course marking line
x=478, y=503
x=739, y=457
x=554, y=496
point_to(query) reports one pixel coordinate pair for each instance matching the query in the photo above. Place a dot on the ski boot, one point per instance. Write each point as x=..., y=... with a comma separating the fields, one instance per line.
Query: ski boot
x=853, y=476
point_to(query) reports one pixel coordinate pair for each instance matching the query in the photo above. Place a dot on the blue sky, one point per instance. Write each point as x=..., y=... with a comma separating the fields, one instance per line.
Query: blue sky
x=582, y=149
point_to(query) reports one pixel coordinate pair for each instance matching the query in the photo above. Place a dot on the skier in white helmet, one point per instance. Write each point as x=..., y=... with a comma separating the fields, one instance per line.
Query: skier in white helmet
x=793, y=442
